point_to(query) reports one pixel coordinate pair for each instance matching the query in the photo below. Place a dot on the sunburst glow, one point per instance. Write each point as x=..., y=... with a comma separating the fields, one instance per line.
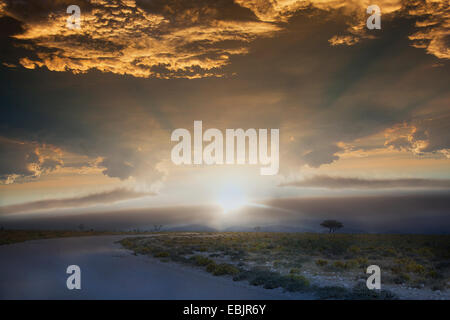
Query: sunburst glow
x=231, y=199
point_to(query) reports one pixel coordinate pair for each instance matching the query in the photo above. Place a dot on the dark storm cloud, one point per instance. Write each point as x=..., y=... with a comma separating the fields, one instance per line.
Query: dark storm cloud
x=22, y=159
x=318, y=95
x=435, y=132
x=16, y=158
x=321, y=181
x=117, y=168
x=342, y=94
x=322, y=155
x=109, y=127
x=422, y=136
x=106, y=197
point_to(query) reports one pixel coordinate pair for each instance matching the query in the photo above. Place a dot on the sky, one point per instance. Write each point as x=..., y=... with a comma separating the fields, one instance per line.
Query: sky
x=87, y=114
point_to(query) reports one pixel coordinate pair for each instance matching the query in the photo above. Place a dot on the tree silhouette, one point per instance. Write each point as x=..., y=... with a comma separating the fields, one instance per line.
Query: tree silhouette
x=332, y=225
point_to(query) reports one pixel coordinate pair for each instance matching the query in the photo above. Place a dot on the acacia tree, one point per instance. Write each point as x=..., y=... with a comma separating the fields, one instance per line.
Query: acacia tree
x=332, y=225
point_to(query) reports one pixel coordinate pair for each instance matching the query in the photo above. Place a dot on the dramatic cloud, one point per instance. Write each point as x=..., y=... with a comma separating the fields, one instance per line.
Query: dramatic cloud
x=287, y=70
x=338, y=40
x=106, y=197
x=434, y=26
x=26, y=159
x=163, y=39
x=321, y=155
x=16, y=158
x=321, y=181
x=172, y=39
x=421, y=136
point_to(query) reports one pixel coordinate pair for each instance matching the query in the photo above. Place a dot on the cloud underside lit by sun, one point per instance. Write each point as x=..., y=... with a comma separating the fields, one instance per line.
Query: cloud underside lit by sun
x=173, y=39
x=349, y=102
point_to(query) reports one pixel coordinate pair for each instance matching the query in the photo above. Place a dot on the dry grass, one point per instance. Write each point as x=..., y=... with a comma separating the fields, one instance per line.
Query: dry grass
x=414, y=260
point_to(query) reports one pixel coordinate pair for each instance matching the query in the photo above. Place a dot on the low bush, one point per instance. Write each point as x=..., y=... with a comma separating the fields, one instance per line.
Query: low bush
x=362, y=261
x=161, y=254
x=211, y=267
x=331, y=292
x=223, y=269
x=408, y=265
x=401, y=278
x=358, y=292
x=339, y=265
x=294, y=271
x=321, y=262
x=361, y=292
x=201, y=260
x=271, y=280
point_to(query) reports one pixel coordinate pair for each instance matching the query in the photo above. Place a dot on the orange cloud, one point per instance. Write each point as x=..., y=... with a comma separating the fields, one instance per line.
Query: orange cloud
x=25, y=160
x=348, y=40
x=122, y=38
x=434, y=26
x=420, y=137
x=434, y=29
x=173, y=40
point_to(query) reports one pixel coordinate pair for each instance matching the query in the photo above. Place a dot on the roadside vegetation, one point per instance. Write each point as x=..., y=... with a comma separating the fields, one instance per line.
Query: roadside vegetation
x=294, y=261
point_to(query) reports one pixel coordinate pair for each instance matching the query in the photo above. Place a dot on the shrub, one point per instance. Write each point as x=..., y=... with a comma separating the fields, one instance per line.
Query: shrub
x=339, y=265
x=321, y=262
x=299, y=282
x=294, y=271
x=362, y=261
x=401, y=278
x=272, y=280
x=351, y=264
x=241, y=276
x=277, y=263
x=223, y=269
x=435, y=275
x=389, y=252
x=127, y=243
x=201, y=260
x=425, y=251
x=410, y=265
x=416, y=268
x=141, y=250
x=332, y=292
x=161, y=254
x=354, y=249
x=211, y=267
x=268, y=279
x=361, y=292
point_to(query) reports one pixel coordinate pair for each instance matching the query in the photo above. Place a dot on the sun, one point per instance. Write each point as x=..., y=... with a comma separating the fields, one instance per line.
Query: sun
x=231, y=199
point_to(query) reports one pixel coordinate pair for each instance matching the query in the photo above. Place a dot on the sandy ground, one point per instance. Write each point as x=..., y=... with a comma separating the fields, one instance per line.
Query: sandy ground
x=37, y=270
